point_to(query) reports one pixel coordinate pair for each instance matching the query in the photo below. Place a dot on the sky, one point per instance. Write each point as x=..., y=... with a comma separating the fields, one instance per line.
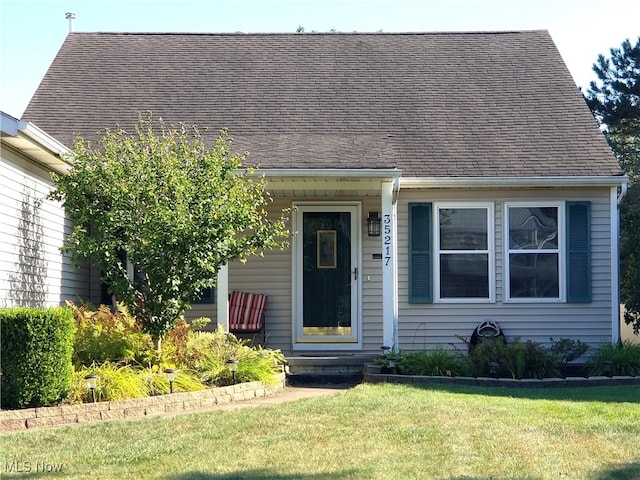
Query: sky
x=32, y=31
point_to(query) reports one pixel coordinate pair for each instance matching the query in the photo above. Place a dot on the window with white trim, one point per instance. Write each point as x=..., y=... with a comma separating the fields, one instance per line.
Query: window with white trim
x=464, y=252
x=534, y=263
x=547, y=252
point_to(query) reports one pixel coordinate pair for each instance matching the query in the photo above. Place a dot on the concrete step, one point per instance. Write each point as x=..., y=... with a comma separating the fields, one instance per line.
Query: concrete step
x=331, y=369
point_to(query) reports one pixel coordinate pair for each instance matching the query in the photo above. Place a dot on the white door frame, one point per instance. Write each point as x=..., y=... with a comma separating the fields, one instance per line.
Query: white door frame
x=327, y=343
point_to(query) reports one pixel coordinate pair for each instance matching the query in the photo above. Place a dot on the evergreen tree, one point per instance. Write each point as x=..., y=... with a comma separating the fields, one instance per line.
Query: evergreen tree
x=614, y=99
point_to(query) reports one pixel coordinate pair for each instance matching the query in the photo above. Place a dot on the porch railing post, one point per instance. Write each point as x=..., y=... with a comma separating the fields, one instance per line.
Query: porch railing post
x=222, y=299
x=389, y=261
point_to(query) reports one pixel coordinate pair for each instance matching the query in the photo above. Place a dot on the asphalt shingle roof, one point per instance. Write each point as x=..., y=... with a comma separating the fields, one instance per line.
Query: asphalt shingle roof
x=431, y=104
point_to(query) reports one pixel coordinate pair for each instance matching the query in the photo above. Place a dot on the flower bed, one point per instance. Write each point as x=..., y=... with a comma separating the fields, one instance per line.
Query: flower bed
x=29, y=418
x=372, y=374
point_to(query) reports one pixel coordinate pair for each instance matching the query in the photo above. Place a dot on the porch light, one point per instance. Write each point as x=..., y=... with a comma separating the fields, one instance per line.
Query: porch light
x=373, y=224
x=170, y=373
x=232, y=365
x=91, y=381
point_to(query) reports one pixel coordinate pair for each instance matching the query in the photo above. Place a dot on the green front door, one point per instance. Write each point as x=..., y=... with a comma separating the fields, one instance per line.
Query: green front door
x=328, y=276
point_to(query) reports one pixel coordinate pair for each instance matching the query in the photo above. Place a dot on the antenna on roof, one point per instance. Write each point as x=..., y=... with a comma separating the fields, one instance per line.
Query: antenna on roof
x=71, y=17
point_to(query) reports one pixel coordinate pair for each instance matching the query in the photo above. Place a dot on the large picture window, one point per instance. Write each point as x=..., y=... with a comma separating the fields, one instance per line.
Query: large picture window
x=464, y=252
x=534, y=253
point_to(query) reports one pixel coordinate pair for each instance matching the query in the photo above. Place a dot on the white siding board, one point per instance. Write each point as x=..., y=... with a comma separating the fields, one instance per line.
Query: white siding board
x=32, y=269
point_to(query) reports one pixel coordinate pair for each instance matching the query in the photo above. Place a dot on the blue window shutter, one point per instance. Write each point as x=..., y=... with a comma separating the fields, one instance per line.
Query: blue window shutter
x=420, y=253
x=578, y=252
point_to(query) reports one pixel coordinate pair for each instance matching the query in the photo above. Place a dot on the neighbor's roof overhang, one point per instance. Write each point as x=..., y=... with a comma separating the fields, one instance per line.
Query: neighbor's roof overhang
x=34, y=143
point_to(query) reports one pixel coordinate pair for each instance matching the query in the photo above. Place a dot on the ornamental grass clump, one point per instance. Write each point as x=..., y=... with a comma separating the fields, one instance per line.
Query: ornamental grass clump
x=622, y=358
x=115, y=382
x=438, y=362
x=206, y=355
x=124, y=382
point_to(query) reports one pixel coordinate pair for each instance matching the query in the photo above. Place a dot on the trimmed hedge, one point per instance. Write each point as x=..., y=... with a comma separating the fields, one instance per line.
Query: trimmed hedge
x=36, y=350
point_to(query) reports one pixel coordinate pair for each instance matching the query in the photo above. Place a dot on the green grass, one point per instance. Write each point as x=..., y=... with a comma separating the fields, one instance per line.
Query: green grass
x=368, y=432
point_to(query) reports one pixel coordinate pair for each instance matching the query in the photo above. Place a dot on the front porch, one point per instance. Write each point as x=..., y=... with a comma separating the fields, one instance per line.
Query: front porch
x=334, y=289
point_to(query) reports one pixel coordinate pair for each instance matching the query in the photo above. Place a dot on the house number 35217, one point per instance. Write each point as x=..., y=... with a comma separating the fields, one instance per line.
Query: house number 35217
x=387, y=239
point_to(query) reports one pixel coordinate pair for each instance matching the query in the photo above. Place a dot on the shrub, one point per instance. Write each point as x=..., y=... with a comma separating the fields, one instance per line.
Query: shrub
x=540, y=362
x=567, y=350
x=516, y=359
x=174, y=346
x=486, y=353
x=206, y=355
x=36, y=356
x=622, y=358
x=105, y=336
x=436, y=362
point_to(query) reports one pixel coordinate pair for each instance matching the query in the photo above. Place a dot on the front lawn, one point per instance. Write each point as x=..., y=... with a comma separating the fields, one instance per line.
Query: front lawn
x=378, y=431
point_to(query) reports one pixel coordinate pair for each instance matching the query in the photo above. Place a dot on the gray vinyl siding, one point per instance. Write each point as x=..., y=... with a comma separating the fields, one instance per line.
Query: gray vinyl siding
x=33, y=272
x=269, y=275
x=272, y=275
x=429, y=325
x=425, y=326
x=371, y=283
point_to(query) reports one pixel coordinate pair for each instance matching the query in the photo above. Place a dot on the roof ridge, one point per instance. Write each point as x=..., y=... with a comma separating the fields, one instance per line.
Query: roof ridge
x=416, y=33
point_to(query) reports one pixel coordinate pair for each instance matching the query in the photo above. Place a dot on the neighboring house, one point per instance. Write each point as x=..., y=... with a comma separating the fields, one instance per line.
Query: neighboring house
x=33, y=272
x=496, y=192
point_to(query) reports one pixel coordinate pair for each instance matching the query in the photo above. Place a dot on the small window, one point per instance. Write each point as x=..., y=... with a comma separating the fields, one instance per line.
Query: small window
x=534, y=254
x=464, y=252
x=208, y=296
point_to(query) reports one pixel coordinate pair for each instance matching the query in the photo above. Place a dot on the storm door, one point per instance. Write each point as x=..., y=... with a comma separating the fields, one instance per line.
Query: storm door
x=326, y=291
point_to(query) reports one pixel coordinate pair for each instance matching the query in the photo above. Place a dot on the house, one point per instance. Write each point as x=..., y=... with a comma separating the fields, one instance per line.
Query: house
x=33, y=272
x=438, y=179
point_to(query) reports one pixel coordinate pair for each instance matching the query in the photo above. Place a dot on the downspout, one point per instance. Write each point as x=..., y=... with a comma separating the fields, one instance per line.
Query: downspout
x=623, y=192
x=616, y=200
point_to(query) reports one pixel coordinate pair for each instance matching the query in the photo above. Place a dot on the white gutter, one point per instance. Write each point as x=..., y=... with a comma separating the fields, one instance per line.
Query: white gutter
x=329, y=172
x=489, y=182
x=35, y=143
x=43, y=139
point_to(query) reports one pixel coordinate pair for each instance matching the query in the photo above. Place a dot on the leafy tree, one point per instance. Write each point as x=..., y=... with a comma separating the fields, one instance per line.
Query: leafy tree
x=159, y=200
x=615, y=101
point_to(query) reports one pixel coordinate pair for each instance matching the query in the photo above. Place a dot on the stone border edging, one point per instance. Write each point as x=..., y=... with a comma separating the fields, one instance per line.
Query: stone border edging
x=369, y=377
x=30, y=418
